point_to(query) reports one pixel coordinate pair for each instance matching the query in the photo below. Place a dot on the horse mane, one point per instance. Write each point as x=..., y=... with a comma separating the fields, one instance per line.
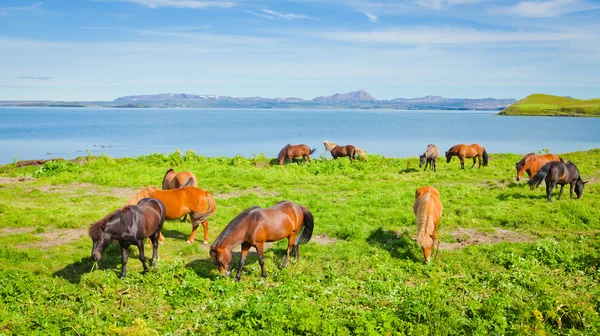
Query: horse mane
x=283, y=152
x=95, y=230
x=329, y=145
x=425, y=222
x=127, y=215
x=232, y=225
x=145, y=193
x=164, y=178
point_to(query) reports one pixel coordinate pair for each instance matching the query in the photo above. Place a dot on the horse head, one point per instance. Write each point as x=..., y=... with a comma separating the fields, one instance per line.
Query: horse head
x=100, y=237
x=519, y=165
x=422, y=160
x=222, y=258
x=448, y=157
x=579, y=185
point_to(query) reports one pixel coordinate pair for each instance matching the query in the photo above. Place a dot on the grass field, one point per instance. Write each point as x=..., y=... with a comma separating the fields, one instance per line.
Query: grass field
x=509, y=262
x=548, y=105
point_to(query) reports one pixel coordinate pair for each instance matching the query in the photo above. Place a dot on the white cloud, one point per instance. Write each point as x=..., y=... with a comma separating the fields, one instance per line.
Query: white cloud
x=286, y=16
x=372, y=17
x=439, y=4
x=183, y=3
x=552, y=8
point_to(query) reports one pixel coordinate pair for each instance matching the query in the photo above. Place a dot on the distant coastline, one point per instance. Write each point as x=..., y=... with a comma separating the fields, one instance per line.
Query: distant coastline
x=554, y=106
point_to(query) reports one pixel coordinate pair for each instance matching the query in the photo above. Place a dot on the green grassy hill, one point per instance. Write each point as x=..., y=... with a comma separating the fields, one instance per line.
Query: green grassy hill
x=548, y=105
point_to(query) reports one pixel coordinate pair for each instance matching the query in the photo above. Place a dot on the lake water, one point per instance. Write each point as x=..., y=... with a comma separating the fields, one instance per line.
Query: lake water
x=42, y=133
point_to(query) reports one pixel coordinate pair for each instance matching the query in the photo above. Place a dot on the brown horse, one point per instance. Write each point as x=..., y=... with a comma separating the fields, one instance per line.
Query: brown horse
x=130, y=226
x=531, y=163
x=291, y=151
x=475, y=151
x=429, y=157
x=559, y=173
x=174, y=180
x=343, y=151
x=256, y=226
x=198, y=203
x=428, y=210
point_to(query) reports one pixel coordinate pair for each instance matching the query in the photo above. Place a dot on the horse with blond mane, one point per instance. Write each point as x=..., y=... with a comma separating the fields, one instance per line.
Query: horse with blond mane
x=343, y=151
x=174, y=180
x=532, y=163
x=475, y=151
x=428, y=210
x=198, y=203
x=429, y=157
x=292, y=151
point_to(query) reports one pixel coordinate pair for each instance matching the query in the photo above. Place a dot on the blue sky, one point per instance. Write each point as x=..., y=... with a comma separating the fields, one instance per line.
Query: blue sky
x=102, y=49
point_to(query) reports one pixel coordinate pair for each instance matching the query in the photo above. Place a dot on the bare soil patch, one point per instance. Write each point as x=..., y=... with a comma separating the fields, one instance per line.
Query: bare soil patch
x=90, y=189
x=465, y=237
x=57, y=237
x=254, y=190
x=15, y=180
x=13, y=231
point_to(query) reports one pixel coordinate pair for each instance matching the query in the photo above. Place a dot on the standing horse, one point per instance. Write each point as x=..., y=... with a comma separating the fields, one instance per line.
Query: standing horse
x=342, y=151
x=130, y=226
x=428, y=210
x=200, y=204
x=429, y=157
x=531, y=163
x=475, y=151
x=256, y=226
x=291, y=151
x=555, y=173
x=174, y=180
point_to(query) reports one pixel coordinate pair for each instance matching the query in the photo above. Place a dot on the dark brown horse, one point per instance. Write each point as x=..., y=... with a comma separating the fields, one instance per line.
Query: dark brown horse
x=559, y=173
x=130, y=226
x=291, y=151
x=429, y=157
x=256, y=226
x=531, y=163
x=475, y=151
x=343, y=151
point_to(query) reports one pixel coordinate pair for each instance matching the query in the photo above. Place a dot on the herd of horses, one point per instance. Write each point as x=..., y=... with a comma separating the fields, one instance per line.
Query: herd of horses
x=144, y=214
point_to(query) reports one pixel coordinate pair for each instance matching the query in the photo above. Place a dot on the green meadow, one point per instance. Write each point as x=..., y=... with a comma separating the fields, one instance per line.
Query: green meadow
x=549, y=105
x=509, y=262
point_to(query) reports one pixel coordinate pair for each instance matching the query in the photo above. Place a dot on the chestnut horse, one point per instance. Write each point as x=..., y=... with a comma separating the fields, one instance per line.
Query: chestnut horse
x=475, y=151
x=531, y=163
x=554, y=173
x=291, y=151
x=256, y=226
x=343, y=151
x=200, y=204
x=174, y=180
x=429, y=157
x=428, y=210
x=130, y=226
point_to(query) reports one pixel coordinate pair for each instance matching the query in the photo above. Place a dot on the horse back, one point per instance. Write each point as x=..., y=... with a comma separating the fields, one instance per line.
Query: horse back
x=278, y=222
x=154, y=214
x=432, y=152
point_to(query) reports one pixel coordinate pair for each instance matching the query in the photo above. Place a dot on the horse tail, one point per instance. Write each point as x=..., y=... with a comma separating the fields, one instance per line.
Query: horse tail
x=165, y=183
x=561, y=160
x=211, y=207
x=539, y=176
x=189, y=183
x=425, y=223
x=308, y=224
x=485, y=157
x=314, y=150
x=361, y=152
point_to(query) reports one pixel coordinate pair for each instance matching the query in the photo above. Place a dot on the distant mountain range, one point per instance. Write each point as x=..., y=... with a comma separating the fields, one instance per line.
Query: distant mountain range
x=354, y=100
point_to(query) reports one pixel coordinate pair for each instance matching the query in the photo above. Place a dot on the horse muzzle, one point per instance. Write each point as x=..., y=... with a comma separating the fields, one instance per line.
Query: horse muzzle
x=518, y=179
x=96, y=256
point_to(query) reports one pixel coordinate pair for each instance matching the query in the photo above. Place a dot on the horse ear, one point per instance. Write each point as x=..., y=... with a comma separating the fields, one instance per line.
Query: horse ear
x=584, y=182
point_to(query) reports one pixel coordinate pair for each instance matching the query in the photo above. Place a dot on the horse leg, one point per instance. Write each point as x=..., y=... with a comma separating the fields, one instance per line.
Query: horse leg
x=291, y=239
x=474, y=161
x=434, y=163
x=479, y=159
x=560, y=192
x=124, y=257
x=260, y=250
x=245, y=249
x=205, y=226
x=140, y=246
x=462, y=162
x=161, y=238
x=192, y=237
x=183, y=219
x=426, y=163
x=296, y=252
x=572, y=187
x=549, y=188
x=154, y=240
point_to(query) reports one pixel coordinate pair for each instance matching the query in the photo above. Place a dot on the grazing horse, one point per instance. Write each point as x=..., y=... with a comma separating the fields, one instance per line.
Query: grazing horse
x=130, y=226
x=200, y=204
x=291, y=151
x=554, y=173
x=475, y=151
x=429, y=157
x=342, y=151
x=174, y=180
x=428, y=210
x=531, y=163
x=256, y=226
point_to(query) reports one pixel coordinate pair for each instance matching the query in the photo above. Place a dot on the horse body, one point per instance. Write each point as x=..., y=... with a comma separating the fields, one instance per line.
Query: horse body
x=130, y=226
x=532, y=163
x=174, y=180
x=198, y=203
x=559, y=173
x=340, y=151
x=475, y=151
x=291, y=151
x=429, y=157
x=428, y=210
x=256, y=226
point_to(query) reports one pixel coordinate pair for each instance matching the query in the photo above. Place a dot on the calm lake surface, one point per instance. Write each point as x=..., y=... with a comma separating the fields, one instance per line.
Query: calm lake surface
x=42, y=133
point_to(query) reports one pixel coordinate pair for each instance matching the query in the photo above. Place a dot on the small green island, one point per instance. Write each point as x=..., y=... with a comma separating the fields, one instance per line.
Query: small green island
x=548, y=105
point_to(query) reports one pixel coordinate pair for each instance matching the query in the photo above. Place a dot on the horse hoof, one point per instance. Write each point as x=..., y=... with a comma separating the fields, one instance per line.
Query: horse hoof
x=189, y=241
x=205, y=242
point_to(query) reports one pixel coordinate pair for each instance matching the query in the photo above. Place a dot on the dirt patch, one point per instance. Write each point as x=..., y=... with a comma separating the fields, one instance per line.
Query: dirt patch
x=465, y=237
x=13, y=231
x=90, y=189
x=254, y=190
x=15, y=180
x=56, y=238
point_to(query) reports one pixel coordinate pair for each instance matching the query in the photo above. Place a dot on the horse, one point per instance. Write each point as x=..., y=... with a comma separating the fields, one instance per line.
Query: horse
x=554, y=173
x=475, y=151
x=429, y=157
x=130, y=226
x=531, y=163
x=255, y=226
x=428, y=210
x=174, y=180
x=342, y=151
x=291, y=151
x=198, y=203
